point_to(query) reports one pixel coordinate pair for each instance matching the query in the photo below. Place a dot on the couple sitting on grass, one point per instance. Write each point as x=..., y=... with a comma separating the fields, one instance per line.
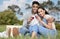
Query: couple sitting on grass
x=39, y=23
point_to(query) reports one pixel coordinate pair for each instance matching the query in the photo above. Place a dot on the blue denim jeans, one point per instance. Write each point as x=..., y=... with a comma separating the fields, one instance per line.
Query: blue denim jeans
x=42, y=31
x=23, y=30
x=47, y=32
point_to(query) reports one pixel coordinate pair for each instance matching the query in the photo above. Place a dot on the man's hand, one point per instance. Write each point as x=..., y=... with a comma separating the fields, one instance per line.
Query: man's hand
x=30, y=19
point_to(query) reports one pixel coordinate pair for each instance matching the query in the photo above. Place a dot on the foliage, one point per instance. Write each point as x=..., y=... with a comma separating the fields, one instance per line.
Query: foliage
x=57, y=26
x=8, y=17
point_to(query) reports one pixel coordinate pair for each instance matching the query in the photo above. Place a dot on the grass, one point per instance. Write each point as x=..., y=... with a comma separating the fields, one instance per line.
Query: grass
x=3, y=28
x=58, y=26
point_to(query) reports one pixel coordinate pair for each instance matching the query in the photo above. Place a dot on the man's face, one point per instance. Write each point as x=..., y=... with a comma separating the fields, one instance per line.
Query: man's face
x=35, y=8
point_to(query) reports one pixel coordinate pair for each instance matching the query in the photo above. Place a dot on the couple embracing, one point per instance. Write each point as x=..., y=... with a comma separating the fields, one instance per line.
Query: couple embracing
x=39, y=23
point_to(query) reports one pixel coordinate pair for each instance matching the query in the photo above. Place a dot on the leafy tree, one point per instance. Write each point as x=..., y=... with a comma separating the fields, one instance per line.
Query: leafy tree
x=8, y=17
x=58, y=2
x=28, y=6
x=49, y=4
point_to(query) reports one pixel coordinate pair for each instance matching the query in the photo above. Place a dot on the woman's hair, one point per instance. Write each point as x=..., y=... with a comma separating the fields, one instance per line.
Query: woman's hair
x=43, y=9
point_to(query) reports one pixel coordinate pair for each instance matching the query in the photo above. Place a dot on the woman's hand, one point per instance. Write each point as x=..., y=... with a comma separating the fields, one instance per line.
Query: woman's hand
x=38, y=18
x=49, y=25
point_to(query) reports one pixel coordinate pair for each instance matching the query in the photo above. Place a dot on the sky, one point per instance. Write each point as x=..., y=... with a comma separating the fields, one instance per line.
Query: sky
x=21, y=3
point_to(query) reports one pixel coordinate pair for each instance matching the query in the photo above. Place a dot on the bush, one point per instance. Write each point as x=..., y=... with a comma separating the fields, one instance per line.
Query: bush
x=57, y=26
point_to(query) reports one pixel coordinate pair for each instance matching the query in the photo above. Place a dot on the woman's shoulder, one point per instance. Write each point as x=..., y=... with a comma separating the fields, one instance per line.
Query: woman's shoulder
x=47, y=16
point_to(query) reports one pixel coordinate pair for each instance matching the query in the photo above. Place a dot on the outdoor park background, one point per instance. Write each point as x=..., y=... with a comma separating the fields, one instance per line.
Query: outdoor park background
x=8, y=17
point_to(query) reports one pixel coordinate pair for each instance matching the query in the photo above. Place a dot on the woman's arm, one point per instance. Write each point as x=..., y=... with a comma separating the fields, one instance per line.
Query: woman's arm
x=49, y=25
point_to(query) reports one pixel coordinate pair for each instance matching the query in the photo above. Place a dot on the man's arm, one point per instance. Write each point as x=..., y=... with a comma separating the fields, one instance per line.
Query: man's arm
x=29, y=20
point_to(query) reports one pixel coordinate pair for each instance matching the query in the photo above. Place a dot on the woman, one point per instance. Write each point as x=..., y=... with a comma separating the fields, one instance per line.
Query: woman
x=46, y=28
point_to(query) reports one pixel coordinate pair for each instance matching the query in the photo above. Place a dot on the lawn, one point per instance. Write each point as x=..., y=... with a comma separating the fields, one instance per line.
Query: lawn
x=3, y=27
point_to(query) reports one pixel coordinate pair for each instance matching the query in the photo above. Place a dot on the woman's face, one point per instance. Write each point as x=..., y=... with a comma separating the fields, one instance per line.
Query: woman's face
x=41, y=12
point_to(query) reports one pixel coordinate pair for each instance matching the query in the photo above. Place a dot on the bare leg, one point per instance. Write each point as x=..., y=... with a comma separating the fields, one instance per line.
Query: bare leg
x=34, y=36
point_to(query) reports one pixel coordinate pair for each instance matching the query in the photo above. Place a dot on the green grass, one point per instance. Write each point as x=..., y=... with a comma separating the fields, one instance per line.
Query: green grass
x=58, y=36
x=3, y=28
x=58, y=26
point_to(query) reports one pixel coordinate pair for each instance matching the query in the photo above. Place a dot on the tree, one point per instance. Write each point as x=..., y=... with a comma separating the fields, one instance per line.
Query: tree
x=8, y=17
x=49, y=4
x=58, y=2
x=44, y=4
x=15, y=8
x=28, y=6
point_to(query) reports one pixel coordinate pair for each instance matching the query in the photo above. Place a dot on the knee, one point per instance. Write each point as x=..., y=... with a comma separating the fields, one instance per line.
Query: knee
x=34, y=33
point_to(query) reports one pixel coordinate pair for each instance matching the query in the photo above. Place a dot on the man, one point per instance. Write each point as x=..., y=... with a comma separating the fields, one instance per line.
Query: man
x=35, y=6
x=32, y=21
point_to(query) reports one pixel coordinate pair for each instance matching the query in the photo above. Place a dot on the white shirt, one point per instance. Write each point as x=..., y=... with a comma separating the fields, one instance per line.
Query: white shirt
x=53, y=24
x=34, y=21
x=26, y=16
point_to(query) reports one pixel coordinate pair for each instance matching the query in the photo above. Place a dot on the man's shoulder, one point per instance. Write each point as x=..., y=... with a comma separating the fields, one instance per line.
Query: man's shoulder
x=27, y=15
